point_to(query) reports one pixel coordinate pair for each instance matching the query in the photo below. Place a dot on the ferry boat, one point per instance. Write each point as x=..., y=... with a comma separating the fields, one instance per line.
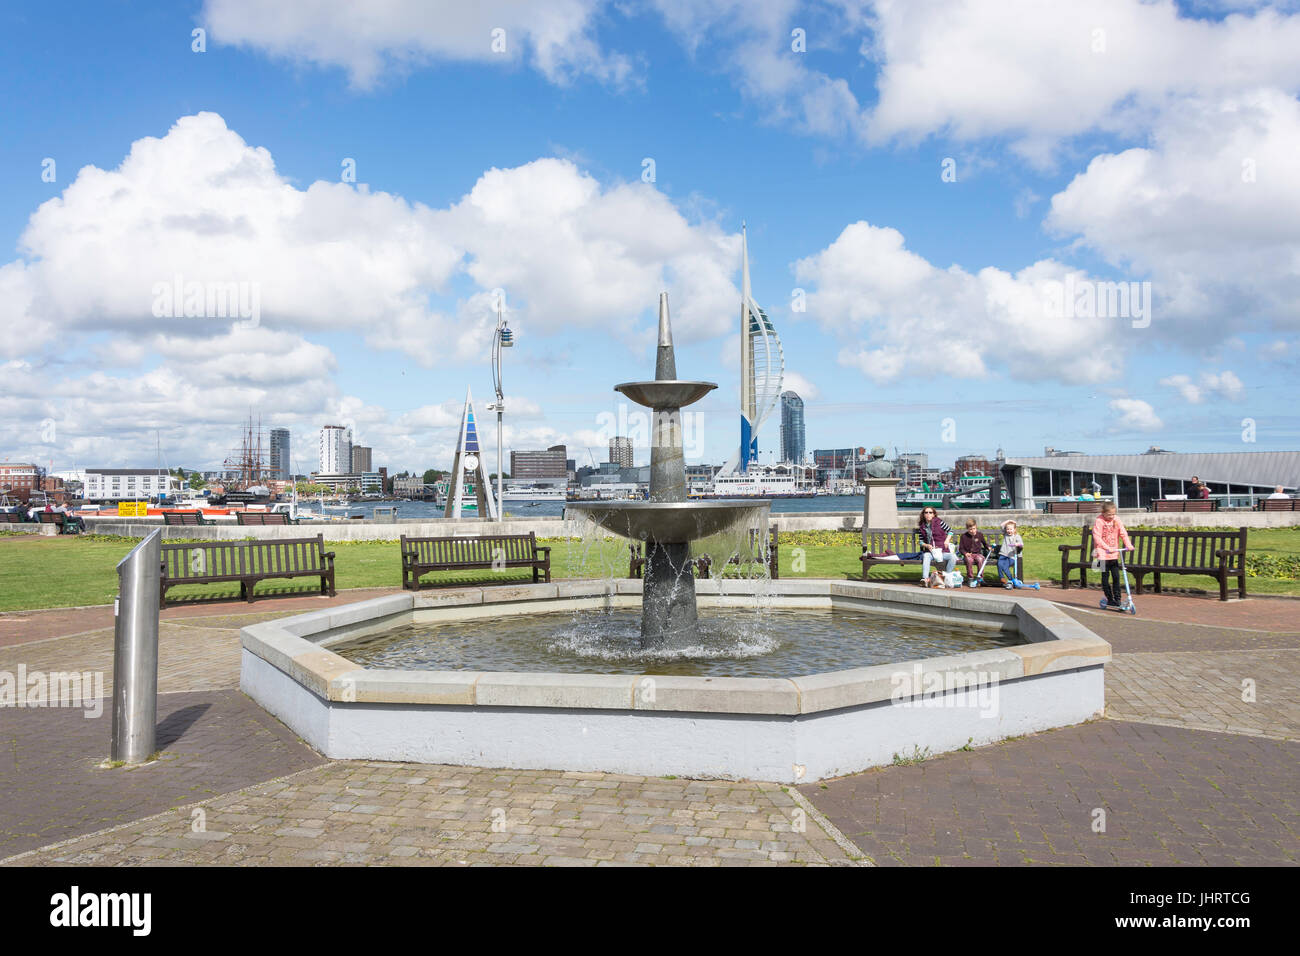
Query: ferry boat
x=537, y=493
x=974, y=487
x=757, y=483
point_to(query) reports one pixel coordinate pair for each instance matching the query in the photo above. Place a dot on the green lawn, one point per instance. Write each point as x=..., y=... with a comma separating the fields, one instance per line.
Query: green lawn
x=41, y=572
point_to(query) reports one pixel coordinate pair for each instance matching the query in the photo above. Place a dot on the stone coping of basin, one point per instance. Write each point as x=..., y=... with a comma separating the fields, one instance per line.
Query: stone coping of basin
x=1054, y=642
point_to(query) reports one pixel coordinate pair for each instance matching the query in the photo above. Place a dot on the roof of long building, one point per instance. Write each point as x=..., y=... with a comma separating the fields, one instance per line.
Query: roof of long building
x=1229, y=467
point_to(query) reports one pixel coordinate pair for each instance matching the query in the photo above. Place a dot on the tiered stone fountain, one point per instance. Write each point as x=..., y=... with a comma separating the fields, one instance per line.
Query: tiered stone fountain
x=668, y=523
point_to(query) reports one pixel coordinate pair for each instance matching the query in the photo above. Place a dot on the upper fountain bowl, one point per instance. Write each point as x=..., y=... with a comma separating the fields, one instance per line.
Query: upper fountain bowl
x=672, y=393
x=670, y=521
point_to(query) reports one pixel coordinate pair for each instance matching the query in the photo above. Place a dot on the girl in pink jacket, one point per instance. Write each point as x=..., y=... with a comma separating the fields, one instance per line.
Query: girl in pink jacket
x=1109, y=537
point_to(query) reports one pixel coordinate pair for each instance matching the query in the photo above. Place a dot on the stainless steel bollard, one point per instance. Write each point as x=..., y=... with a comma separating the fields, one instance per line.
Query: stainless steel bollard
x=135, y=652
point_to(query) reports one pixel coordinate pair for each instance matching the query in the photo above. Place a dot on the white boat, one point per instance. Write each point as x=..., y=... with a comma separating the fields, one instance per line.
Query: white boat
x=759, y=483
x=547, y=493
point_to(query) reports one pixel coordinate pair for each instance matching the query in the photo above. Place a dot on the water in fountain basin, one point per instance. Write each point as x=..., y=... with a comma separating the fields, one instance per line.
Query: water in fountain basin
x=732, y=642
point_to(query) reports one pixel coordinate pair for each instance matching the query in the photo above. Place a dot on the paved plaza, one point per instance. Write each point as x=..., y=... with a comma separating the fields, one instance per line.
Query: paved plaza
x=1194, y=764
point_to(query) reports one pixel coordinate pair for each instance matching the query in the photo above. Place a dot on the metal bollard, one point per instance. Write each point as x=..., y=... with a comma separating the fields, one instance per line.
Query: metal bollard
x=135, y=652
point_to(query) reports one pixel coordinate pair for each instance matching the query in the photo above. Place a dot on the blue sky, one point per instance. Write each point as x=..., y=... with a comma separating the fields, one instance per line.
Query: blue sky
x=1097, y=156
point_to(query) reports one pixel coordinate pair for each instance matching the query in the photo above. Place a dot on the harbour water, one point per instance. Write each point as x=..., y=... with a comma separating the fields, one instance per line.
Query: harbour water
x=555, y=509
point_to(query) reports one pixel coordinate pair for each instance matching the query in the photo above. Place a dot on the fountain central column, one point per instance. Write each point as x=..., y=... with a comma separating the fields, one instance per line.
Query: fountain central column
x=668, y=588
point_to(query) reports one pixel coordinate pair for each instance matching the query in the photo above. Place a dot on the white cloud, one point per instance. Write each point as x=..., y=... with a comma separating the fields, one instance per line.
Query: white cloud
x=202, y=205
x=1133, y=414
x=1032, y=70
x=801, y=386
x=918, y=320
x=1211, y=212
x=1224, y=385
x=557, y=37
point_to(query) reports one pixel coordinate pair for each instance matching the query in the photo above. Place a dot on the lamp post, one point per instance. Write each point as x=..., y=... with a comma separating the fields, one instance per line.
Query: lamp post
x=502, y=338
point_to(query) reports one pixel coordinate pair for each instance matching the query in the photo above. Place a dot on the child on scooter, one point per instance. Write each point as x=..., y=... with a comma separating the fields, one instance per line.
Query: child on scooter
x=1109, y=537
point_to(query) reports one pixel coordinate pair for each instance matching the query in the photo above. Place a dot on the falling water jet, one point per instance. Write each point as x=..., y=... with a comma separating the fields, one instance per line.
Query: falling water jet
x=668, y=523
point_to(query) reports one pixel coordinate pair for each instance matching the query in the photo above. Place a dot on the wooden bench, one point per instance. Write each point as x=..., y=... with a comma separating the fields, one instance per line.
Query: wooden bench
x=261, y=517
x=486, y=552
x=704, y=563
x=1217, y=554
x=1072, y=507
x=184, y=517
x=878, y=540
x=1278, y=504
x=57, y=518
x=1188, y=504
x=11, y=517
x=768, y=554
x=248, y=562
x=636, y=562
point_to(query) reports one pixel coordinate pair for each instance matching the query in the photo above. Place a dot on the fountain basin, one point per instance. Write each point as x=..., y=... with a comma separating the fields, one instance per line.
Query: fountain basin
x=671, y=521
x=667, y=393
x=791, y=729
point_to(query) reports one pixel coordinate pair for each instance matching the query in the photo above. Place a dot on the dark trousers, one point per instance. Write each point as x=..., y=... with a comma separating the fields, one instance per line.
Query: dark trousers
x=1110, y=582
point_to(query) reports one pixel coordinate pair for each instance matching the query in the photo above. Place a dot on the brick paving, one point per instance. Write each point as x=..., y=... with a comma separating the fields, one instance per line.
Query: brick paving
x=1187, y=771
x=1171, y=796
x=52, y=787
x=1242, y=692
x=355, y=812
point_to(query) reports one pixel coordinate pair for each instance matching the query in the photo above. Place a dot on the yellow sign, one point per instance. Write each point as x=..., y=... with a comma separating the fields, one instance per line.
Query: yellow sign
x=132, y=509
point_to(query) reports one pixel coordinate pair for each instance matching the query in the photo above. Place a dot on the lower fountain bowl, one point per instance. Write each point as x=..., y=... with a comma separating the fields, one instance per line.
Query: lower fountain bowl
x=673, y=521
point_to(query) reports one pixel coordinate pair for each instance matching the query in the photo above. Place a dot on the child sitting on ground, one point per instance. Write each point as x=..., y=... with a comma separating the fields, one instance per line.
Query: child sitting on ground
x=1012, y=546
x=972, y=546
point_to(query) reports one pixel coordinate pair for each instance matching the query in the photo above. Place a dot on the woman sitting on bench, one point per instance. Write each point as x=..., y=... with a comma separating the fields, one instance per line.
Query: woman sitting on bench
x=936, y=543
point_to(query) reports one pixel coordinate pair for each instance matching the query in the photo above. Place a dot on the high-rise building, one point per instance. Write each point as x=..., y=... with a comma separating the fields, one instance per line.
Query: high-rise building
x=762, y=368
x=281, y=459
x=620, y=451
x=539, y=464
x=792, y=428
x=360, y=460
x=335, y=450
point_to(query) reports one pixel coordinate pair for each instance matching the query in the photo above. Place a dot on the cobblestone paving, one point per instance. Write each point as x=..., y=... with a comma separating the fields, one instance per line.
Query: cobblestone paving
x=1205, y=690
x=1175, y=791
x=384, y=813
x=191, y=656
x=51, y=787
x=1171, y=796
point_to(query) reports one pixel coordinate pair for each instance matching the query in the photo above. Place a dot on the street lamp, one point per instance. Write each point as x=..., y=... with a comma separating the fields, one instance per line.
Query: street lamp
x=502, y=338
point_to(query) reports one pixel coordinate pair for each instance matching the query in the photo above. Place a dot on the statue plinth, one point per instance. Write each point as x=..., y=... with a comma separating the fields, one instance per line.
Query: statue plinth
x=879, y=505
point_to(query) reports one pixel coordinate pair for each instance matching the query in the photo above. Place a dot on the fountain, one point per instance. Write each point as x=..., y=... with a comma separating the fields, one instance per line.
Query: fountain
x=668, y=523
x=836, y=676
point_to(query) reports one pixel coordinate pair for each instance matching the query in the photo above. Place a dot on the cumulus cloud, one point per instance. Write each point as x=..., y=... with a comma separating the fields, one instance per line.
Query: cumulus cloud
x=1224, y=385
x=1211, y=212
x=912, y=318
x=201, y=208
x=1133, y=415
x=1042, y=72
x=557, y=38
x=801, y=386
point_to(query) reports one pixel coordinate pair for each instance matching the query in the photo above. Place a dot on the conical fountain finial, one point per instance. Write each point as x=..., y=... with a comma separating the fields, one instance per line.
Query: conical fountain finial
x=665, y=360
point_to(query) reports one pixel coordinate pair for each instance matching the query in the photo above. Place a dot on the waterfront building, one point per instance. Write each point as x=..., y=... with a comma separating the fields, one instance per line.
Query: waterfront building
x=1235, y=479
x=19, y=479
x=531, y=465
x=335, y=450
x=361, y=460
x=620, y=451
x=792, y=428
x=128, y=484
x=281, y=456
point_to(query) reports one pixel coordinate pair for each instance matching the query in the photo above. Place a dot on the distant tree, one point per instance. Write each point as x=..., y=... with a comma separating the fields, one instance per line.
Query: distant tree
x=197, y=481
x=432, y=475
